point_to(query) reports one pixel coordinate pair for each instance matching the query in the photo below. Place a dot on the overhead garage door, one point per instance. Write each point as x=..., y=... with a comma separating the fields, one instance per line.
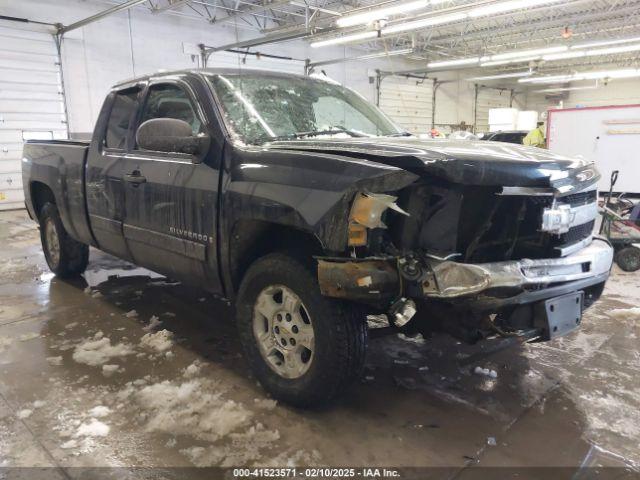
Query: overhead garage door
x=31, y=101
x=408, y=101
x=490, y=98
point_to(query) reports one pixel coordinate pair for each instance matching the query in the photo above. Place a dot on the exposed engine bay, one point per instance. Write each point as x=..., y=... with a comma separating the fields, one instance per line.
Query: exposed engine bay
x=487, y=251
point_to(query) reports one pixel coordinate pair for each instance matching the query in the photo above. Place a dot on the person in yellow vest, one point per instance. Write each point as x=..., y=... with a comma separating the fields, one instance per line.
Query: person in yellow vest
x=535, y=138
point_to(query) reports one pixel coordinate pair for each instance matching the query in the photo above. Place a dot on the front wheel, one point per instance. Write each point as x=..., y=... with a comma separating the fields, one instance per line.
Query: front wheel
x=65, y=256
x=304, y=348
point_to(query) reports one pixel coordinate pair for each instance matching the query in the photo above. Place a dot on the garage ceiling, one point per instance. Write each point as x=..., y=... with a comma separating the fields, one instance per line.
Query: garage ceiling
x=537, y=25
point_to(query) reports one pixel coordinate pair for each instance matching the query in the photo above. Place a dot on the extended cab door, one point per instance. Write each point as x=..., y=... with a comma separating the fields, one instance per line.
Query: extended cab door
x=104, y=182
x=171, y=199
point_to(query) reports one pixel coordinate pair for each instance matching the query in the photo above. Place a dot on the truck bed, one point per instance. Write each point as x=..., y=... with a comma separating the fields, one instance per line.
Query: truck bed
x=58, y=165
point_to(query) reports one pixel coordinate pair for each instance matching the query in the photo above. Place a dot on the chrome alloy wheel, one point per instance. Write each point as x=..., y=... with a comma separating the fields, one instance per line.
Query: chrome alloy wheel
x=53, y=241
x=283, y=330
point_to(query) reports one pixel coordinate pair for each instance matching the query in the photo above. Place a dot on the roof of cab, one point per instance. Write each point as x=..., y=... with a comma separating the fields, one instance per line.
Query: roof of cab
x=199, y=71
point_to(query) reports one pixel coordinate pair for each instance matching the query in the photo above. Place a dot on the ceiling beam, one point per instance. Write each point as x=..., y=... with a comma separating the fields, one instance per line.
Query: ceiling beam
x=99, y=16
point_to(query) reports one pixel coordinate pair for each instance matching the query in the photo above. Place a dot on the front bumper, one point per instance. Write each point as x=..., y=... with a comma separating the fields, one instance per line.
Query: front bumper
x=449, y=280
x=378, y=281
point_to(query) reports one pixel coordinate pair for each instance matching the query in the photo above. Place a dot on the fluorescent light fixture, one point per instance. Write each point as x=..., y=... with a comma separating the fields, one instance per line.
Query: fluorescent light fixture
x=344, y=39
x=425, y=22
x=565, y=89
x=604, y=43
x=499, y=76
x=315, y=7
x=564, y=55
x=453, y=63
x=372, y=15
x=528, y=53
x=547, y=79
x=376, y=14
x=391, y=53
x=613, y=50
x=513, y=60
x=507, y=7
x=549, y=54
x=626, y=73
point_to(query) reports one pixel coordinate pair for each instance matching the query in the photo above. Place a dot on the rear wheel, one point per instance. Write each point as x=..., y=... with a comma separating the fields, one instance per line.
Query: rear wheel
x=304, y=348
x=65, y=256
x=628, y=258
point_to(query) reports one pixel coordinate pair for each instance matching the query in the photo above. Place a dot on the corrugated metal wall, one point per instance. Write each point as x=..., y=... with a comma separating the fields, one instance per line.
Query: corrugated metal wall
x=489, y=98
x=31, y=101
x=408, y=101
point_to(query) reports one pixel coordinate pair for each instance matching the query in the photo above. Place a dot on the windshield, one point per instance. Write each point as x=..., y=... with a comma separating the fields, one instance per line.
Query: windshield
x=260, y=107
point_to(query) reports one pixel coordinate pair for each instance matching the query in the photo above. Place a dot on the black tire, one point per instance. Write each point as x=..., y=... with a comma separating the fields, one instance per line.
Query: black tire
x=628, y=258
x=71, y=257
x=340, y=333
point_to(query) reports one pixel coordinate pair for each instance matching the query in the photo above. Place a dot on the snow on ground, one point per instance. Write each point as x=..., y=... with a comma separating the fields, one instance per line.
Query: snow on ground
x=266, y=403
x=160, y=341
x=195, y=408
x=93, y=428
x=244, y=447
x=110, y=369
x=99, y=350
x=154, y=323
x=192, y=370
x=614, y=412
x=69, y=444
x=99, y=411
x=54, y=360
x=4, y=343
x=418, y=339
x=28, y=336
x=625, y=313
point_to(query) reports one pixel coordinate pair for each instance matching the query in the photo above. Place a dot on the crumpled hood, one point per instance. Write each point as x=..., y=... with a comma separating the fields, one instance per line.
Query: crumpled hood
x=458, y=161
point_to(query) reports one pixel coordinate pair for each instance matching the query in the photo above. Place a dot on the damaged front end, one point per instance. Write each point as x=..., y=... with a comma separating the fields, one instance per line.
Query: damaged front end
x=495, y=256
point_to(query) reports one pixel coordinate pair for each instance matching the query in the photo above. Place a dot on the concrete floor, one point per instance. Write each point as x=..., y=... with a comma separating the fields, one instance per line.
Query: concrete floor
x=82, y=386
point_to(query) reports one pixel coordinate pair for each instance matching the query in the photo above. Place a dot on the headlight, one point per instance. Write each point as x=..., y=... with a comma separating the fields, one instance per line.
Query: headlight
x=366, y=212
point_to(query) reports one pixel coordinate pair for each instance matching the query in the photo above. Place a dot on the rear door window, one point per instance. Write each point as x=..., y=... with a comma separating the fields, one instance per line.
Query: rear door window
x=124, y=106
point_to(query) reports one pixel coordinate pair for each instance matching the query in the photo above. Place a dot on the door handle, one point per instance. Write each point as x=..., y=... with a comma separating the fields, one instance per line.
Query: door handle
x=135, y=178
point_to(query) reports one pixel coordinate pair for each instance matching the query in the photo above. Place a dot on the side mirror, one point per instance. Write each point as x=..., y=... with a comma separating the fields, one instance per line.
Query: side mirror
x=170, y=135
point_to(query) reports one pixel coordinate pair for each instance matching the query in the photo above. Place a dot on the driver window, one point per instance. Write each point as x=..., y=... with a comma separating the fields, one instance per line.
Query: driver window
x=170, y=101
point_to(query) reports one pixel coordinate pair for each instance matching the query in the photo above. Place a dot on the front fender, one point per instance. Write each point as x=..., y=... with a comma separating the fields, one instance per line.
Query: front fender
x=308, y=191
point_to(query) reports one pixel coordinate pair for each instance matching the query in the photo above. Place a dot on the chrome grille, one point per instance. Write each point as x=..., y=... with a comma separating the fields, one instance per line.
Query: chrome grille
x=575, y=217
x=580, y=198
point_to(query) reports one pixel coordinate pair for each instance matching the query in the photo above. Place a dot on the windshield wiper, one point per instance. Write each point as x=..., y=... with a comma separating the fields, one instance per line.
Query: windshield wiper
x=330, y=131
x=310, y=133
x=401, y=134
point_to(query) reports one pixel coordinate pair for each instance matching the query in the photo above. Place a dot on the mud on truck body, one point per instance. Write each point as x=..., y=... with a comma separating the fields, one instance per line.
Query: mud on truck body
x=306, y=207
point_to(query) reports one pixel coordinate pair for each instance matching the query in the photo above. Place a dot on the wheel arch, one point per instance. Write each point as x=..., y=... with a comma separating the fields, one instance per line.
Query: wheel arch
x=41, y=194
x=253, y=239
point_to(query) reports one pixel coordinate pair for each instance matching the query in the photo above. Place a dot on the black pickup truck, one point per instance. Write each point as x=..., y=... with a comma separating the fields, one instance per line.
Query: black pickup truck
x=303, y=204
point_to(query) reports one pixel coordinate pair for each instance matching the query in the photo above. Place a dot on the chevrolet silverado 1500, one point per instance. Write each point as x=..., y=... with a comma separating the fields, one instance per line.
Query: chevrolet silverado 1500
x=303, y=204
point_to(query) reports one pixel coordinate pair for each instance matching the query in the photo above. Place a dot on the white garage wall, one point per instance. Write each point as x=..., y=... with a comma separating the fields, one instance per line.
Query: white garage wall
x=489, y=98
x=137, y=42
x=408, y=101
x=31, y=101
x=617, y=92
x=454, y=101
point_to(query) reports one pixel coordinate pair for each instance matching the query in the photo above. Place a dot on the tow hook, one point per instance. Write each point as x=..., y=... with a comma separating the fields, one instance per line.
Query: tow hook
x=402, y=311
